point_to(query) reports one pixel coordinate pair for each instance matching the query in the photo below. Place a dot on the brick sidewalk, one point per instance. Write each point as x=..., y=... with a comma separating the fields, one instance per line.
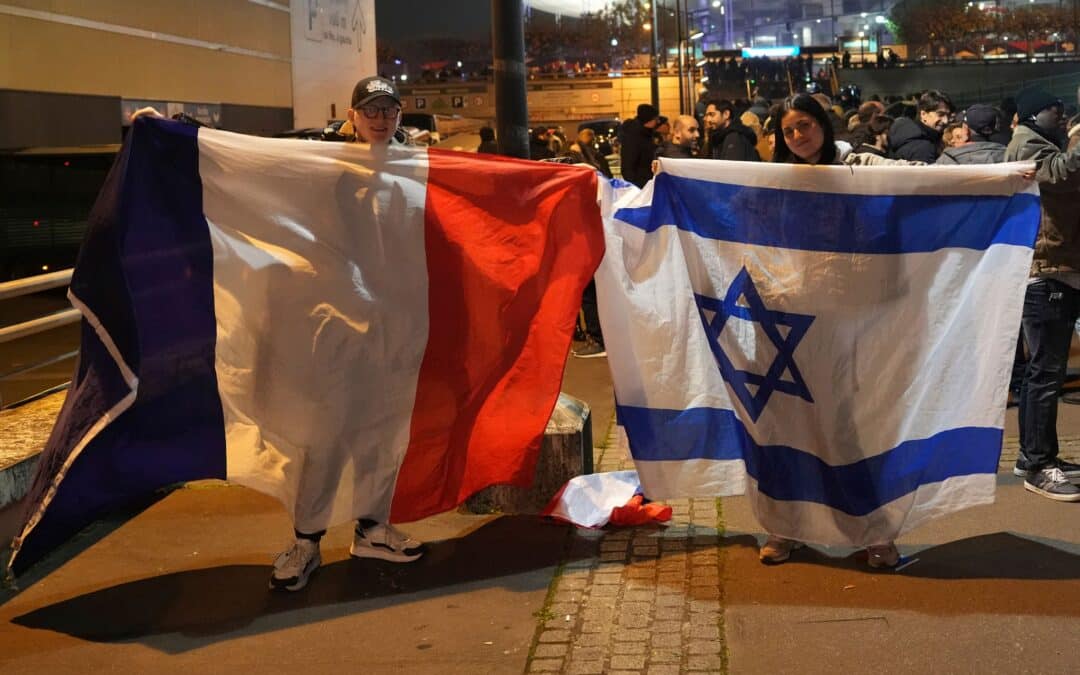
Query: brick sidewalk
x=649, y=599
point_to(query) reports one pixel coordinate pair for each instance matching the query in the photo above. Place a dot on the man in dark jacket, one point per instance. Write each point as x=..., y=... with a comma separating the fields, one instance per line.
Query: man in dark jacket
x=980, y=123
x=921, y=140
x=731, y=139
x=1052, y=302
x=684, y=139
x=638, y=149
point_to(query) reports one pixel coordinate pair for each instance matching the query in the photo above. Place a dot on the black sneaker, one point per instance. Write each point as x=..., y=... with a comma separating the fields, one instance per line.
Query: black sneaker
x=1023, y=466
x=1070, y=469
x=1052, y=484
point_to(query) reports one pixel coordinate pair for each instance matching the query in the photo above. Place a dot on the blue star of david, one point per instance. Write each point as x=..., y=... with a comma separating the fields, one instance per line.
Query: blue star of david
x=754, y=310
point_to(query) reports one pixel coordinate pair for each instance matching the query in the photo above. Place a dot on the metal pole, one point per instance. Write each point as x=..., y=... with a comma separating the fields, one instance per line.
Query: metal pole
x=682, y=52
x=653, y=49
x=508, y=50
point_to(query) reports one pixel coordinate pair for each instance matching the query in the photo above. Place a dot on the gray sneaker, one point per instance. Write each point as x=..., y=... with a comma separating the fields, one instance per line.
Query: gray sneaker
x=293, y=567
x=1052, y=484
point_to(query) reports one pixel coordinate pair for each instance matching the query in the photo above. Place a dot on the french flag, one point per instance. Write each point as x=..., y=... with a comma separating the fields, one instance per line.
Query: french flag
x=356, y=331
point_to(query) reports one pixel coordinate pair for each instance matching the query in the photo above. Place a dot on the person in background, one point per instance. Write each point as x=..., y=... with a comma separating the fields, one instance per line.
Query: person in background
x=752, y=122
x=730, y=139
x=539, y=144
x=685, y=135
x=873, y=137
x=804, y=135
x=637, y=150
x=487, y=141
x=662, y=133
x=979, y=126
x=921, y=140
x=954, y=135
x=584, y=151
x=1052, y=301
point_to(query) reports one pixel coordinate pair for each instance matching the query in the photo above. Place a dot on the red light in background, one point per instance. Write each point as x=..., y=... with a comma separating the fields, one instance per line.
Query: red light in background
x=36, y=223
x=67, y=163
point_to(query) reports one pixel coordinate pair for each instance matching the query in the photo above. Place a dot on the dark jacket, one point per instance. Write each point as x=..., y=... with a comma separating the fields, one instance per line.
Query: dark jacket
x=867, y=149
x=636, y=154
x=736, y=142
x=669, y=149
x=488, y=147
x=977, y=152
x=1057, y=248
x=913, y=140
x=587, y=154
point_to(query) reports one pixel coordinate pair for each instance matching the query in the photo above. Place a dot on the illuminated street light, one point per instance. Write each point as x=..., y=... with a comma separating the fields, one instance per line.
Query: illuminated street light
x=404, y=77
x=647, y=25
x=697, y=35
x=879, y=19
x=614, y=42
x=716, y=3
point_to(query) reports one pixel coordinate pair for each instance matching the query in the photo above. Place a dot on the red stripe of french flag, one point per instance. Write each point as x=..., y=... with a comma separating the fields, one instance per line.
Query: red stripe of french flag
x=510, y=246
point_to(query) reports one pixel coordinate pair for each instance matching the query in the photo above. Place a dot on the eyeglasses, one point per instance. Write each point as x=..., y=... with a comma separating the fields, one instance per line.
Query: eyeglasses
x=372, y=111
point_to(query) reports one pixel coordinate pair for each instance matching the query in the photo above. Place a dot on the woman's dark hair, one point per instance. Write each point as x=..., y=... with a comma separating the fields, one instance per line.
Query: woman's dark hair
x=868, y=133
x=804, y=103
x=487, y=134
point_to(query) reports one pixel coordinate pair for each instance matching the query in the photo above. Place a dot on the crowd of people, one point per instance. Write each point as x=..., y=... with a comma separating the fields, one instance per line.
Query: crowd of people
x=813, y=129
x=816, y=130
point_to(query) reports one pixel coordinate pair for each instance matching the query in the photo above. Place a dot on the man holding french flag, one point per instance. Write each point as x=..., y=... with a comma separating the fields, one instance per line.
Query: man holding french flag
x=362, y=330
x=374, y=332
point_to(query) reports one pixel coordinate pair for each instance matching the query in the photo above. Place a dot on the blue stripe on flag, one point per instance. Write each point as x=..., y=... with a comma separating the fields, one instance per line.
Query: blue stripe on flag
x=146, y=271
x=790, y=474
x=842, y=223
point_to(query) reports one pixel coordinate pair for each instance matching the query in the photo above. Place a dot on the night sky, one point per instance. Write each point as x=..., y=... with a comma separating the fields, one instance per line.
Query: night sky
x=397, y=20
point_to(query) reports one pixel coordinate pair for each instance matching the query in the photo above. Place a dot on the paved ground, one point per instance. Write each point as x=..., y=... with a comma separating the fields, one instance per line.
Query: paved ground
x=181, y=587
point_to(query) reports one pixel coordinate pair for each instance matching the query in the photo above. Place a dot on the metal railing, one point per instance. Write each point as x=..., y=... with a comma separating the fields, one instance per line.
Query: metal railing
x=35, y=284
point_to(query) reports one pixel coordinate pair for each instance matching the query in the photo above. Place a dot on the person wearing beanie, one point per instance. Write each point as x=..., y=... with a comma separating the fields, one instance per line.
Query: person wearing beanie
x=979, y=124
x=1052, y=302
x=636, y=153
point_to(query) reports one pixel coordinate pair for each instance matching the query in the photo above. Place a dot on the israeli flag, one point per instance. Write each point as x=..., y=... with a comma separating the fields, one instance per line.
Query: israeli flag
x=835, y=342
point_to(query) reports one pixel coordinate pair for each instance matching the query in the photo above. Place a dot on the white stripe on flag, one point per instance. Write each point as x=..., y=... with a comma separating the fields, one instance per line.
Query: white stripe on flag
x=320, y=283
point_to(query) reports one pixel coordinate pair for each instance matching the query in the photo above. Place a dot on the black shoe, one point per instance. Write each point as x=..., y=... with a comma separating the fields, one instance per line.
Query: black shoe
x=1072, y=397
x=1023, y=466
x=1052, y=484
x=1070, y=469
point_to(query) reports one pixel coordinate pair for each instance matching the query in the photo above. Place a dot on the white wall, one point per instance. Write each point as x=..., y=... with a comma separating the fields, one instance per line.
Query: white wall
x=333, y=46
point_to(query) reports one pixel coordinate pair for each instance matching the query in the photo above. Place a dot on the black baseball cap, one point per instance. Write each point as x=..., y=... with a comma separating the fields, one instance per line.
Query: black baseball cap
x=981, y=118
x=371, y=88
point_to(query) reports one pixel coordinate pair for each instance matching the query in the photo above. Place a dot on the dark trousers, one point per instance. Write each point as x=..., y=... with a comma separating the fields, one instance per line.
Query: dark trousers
x=592, y=315
x=1050, y=312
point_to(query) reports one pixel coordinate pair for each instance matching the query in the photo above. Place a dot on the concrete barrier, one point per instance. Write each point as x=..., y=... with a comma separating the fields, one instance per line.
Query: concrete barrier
x=566, y=452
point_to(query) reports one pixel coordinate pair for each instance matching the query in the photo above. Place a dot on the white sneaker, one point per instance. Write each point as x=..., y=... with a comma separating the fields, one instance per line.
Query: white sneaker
x=385, y=542
x=293, y=567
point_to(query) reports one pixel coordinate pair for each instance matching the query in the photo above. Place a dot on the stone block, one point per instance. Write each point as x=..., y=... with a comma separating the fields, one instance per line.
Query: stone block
x=566, y=452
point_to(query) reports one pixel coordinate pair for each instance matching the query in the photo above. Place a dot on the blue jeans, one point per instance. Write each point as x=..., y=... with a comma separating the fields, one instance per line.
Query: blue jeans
x=1050, y=312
